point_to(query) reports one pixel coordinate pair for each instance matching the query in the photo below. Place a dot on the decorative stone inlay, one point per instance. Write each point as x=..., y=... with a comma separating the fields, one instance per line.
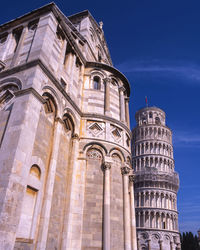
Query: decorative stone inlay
x=95, y=129
x=116, y=133
x=94, y=154
x=125, y=170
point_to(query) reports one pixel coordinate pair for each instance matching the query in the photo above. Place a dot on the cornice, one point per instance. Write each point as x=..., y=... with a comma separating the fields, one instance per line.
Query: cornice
x=112, y=70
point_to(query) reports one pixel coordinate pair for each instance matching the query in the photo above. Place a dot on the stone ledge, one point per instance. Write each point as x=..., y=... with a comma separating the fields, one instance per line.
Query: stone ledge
x=24, y=240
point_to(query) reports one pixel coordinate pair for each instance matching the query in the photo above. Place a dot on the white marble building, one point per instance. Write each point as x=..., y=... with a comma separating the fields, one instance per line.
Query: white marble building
x=156, y=182
x=66, y=180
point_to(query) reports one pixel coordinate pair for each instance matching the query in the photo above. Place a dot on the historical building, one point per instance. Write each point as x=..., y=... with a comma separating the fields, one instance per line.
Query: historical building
x=156, y=182
x=66, y=180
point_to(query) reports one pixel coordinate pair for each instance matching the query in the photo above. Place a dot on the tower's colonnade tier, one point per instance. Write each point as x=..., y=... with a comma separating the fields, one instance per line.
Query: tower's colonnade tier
x=156, y=182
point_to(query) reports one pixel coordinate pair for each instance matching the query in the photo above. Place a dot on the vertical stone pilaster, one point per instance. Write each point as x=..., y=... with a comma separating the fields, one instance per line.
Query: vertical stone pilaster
x=71, y=68
x=46, y=210
x=106, y=206
x=73, y=191
x=62, y=56
x=133, y=222
x=122, y=105
x=126, y=204
x=107, y=95
x=6, y=46
x=127, y=111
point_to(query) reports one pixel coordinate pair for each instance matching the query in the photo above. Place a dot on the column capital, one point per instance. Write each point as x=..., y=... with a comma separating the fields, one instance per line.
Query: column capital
x=122, y=89
x=75, y=137
x=131, y=178
x=106, y=166
x=127, y=99
x=107, y=80
x=125, y=170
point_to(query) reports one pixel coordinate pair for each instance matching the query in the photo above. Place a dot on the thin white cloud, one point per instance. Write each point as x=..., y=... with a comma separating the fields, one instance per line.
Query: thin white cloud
x=186, y=139
x=178, y=68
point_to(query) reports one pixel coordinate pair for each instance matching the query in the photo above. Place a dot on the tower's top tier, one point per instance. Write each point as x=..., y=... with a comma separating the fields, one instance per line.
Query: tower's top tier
x=150, y=115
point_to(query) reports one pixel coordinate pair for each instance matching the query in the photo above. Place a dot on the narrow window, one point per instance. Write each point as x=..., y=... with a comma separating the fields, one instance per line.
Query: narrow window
x=17, y=34
x=157, y=120
x=96, y=83
x=49, y=105
x=5, y=98
x=69, y=124
x=63, y=83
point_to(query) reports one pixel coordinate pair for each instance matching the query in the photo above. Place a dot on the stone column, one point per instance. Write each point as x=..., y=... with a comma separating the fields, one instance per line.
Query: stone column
x=106, y=206
x=149, y=244
x=73, y=191
x=149, y=217
x=107, y=95
x=138, y=243
x=139, y=219
x=46, y=210
x=133, y=223
x=122, y=105
x=126, y=207
x=127, y=111
x=161, y=246
x=143, y=218
x=172, y=246
x=19, y=46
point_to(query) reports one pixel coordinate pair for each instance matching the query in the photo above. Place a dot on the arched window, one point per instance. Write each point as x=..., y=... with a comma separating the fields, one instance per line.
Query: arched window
x=114, y=82
x=157, y=120
x=7, y=93
x=35, y=172
x=96, y=83
x=49, y=105
x=69, y=124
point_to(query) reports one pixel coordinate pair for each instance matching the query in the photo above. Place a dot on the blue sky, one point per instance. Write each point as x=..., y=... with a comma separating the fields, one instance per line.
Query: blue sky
x=156, y=45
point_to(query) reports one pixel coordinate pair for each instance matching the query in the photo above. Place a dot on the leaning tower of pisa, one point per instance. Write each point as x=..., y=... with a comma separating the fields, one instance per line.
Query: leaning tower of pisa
x=156, y=182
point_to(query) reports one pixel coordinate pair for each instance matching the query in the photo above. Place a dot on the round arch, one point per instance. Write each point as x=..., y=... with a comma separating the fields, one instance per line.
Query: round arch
x=12, y=80
x=119, y=152
x=53, y=93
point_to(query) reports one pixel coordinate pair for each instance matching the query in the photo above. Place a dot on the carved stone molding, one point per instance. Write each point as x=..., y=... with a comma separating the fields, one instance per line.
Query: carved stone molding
x=132, y=178
x=125, y=170
x=107, y=80
x=106, y=166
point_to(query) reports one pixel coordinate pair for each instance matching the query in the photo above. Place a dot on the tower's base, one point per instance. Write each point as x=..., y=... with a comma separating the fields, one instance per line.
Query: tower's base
x=158, y=240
